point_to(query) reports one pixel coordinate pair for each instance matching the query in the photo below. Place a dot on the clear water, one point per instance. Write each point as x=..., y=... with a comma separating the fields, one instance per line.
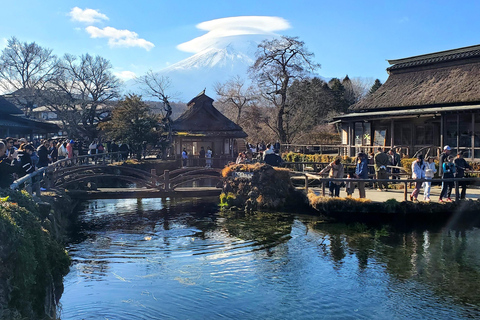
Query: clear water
x=157, y=259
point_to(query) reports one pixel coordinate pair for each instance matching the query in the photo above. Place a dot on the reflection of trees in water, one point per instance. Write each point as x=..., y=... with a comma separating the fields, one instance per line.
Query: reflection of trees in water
x=267, y=229
x=446, y=261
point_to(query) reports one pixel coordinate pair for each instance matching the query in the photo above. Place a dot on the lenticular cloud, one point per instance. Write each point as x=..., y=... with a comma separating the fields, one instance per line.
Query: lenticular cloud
x=233, y=26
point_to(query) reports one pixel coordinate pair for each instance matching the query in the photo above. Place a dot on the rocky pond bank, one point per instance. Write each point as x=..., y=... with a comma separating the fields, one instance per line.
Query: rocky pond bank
x=33, y=259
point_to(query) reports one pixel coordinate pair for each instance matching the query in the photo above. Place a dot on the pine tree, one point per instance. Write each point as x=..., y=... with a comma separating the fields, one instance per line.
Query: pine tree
x=338, y=90
x=349, y=94
x=375, y=86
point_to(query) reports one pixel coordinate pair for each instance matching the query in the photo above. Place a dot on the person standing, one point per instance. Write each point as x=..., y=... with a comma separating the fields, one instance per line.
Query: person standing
x=461, y=165
x=381, y=162
x=53, y=150
x=361, y=172
x=443, y=158
x=394, y=161
x=7, y=167
x=208, y=156
x=43, y=154
x=184, y=157
x=448, y=173
x=62, y=151
x=336, y=172
x=70, y=149
x=24, y=160
x=418, y=172
x=201, y=156
x=430, y=171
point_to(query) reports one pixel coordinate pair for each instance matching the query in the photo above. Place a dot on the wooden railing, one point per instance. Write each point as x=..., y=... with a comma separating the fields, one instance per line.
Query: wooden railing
x=34, y=181
x=324, y=181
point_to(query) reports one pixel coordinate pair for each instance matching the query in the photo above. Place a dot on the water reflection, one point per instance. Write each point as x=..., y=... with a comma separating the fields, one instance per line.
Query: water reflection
x=156, y=259
x=447, y=261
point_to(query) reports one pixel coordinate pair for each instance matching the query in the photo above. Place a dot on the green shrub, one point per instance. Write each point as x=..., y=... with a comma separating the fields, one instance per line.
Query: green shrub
x=227, y=199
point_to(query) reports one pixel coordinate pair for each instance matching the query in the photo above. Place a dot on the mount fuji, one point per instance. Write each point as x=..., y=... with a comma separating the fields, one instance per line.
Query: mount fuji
x=226, y=58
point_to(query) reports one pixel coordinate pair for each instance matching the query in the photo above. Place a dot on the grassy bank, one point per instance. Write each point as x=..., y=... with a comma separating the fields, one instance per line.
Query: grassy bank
x=393, y=211
x=32, y=261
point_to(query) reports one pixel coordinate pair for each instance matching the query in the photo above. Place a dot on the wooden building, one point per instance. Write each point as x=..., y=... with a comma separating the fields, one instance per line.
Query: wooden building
x=202, y=125
x=428, y=101
x=13, y=123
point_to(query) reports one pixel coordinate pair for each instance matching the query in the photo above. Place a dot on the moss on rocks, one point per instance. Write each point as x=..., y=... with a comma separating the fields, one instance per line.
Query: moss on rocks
x=268, y=188
x=32, y=262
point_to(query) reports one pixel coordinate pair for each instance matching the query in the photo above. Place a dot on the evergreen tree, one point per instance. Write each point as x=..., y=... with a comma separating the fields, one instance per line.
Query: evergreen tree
x=375, y=86
x=349, y=94
x=341, y=105
x=132, y=123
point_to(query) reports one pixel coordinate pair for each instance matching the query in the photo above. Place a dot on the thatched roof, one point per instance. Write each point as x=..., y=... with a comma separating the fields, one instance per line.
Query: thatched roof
x=6, y=107
x=443, y=78
x=203, y=118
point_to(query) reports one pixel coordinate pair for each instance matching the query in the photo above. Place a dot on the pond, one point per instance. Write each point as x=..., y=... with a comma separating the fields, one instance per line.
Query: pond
x=172, y=259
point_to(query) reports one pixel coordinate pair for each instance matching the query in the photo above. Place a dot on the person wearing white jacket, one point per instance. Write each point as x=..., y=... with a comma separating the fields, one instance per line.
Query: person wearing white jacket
x=418, y=172
x=430, y=171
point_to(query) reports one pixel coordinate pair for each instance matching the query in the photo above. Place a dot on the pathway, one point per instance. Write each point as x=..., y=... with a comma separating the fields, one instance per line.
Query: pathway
x=381, y=196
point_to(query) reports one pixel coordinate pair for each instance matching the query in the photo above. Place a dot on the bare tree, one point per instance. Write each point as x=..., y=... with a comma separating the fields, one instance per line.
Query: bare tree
x=234, y=97
x=82, y=93
x=156, y=85
x=361, y=85
x=25, y=70
x=279, y=62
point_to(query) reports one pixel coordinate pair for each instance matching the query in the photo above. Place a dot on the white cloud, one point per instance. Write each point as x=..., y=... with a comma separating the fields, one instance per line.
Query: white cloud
x=126, y=75
x=119, y=38
x=87, y=15
x=233, y=26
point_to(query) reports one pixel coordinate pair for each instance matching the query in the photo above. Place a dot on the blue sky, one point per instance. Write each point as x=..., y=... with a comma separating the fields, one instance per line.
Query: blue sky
x=347, y=37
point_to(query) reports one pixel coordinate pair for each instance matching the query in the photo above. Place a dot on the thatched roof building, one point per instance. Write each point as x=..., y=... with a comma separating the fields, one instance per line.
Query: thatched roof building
x=427, y=101
x=202, y=125
x=203, y=118
x=442, y=78
x=13, y=123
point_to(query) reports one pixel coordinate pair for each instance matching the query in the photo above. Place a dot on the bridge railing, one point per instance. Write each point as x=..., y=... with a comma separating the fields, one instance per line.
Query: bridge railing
x=43, y=177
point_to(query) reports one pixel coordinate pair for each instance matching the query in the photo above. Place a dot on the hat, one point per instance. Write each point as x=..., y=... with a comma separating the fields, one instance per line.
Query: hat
x=447, y=147
x=71, y=141
x=420, y=156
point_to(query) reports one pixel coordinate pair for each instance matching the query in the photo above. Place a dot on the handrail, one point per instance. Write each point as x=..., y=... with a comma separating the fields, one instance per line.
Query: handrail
x=27, y=180
x=405, y=181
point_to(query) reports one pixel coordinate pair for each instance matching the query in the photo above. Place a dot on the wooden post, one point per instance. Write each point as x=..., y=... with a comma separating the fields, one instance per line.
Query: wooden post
x=166, y=174
x=457, y=190
x=306, y=184
x=405, y=192
x=153, y=172
x=323, y=188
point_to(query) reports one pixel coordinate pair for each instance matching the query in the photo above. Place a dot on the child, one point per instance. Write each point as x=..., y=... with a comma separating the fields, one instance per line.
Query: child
x=349, y=186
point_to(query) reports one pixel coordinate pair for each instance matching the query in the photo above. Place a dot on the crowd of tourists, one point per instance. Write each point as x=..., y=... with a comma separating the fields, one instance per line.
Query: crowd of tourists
x=449, y=167
x=384, y=164
x=19, y=157
x=268, y=154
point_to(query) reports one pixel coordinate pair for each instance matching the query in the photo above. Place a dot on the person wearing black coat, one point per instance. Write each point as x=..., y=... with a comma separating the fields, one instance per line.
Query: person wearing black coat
x=273, y=159
x=43, y=154
x=24, y=161
x=461, y=165
x=7, y=168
